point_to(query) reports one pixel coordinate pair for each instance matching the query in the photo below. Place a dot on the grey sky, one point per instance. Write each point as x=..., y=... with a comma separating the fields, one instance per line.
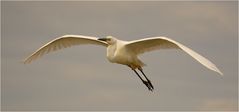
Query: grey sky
x=81, y=78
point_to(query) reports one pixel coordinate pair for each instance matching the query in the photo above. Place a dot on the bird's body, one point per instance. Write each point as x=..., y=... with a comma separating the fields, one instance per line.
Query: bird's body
x=118, y=53
x=122, y=52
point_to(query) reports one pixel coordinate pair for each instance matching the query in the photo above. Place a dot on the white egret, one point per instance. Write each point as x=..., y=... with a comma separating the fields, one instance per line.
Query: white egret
x=122, y=52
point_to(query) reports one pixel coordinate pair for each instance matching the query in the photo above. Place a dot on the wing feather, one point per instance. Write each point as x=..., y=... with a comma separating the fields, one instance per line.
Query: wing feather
x=63, y=42
x=156, y=43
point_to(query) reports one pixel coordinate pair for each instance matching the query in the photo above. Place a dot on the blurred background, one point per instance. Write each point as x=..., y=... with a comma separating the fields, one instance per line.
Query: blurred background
x=81, y=78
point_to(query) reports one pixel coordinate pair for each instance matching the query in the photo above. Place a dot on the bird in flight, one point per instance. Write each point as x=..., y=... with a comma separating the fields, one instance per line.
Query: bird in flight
x=122, y=52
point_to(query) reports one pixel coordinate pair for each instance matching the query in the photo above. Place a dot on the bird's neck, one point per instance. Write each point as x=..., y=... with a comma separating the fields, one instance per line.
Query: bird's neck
x=111, y=52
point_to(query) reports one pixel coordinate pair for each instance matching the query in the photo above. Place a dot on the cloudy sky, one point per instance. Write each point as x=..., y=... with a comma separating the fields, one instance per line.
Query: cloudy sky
x=81, y=78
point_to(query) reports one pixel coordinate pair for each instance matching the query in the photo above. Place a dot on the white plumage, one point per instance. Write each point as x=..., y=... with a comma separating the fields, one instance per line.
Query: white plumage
x=122, y=52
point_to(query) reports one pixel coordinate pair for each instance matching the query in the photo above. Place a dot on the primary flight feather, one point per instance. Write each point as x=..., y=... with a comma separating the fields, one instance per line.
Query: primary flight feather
x=122, y=52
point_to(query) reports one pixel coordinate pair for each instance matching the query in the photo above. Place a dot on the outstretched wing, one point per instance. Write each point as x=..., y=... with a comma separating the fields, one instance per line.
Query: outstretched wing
x=156, y=43
x=63, y=42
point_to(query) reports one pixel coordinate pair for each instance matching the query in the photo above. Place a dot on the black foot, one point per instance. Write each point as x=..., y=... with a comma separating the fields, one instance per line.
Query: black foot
x=149, y=85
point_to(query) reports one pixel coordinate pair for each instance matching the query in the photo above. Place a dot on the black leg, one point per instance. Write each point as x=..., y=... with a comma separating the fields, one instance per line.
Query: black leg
x=138, y=75
x=147, y=83
x=141, y=70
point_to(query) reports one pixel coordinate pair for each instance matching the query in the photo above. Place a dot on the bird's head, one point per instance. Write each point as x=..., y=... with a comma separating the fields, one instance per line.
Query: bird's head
x=109, y=39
